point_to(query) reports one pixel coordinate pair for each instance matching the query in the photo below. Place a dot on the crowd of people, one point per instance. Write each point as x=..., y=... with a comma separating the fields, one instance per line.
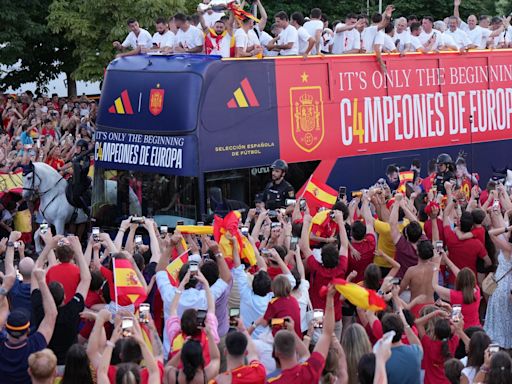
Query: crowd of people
x=436, y=255
x=217, y=30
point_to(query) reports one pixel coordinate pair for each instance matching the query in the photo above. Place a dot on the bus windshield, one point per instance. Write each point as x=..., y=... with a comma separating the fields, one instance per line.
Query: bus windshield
x=119, y=194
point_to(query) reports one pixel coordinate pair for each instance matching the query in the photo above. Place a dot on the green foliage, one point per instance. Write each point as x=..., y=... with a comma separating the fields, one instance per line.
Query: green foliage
x=92, y=26
x=26, y=39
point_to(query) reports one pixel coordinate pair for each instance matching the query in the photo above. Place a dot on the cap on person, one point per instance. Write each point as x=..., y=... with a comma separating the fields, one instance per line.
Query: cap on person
x=18, y=323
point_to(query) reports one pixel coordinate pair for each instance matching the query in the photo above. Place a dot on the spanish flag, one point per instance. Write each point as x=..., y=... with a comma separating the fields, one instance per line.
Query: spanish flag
x=195, y=229
x=128, y=288
x=230, y=224
x=405, y=177
x=359, y=296
x=173, y=269
x=319, y=194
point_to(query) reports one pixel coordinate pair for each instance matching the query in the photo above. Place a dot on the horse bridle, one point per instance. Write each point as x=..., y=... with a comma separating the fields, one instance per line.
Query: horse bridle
x=36, y=190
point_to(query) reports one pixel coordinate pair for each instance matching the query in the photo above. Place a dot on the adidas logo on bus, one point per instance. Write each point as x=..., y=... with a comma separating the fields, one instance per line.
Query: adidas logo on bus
x=244, y=96
x=122, y=105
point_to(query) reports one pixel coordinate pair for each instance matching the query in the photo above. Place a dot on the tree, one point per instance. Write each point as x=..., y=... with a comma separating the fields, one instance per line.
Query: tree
x=31, y=51
x=92, y=26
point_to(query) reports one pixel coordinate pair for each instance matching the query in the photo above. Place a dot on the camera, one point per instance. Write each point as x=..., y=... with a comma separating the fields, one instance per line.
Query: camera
x=194, y=268
x=342, y=192
x=164, y=230
x=272, y=214
x=138, y=240
x=318, y=315
x=43, y=228
x=200, y=318
x=234, y=315
x=144, y=313
x=439, y=245
x=137, y=220
x=127, y=326
x=96, y=234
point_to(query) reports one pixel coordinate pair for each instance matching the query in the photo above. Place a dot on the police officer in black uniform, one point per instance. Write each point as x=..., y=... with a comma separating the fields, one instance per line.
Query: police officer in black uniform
x=81, y=181
x=278, y=190
x=445, y=171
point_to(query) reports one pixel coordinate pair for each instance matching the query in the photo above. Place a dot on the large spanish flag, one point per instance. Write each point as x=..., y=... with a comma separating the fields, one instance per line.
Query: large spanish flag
x=360, y=296
x=173, y=269
x=229, y=223
x=11, y=182
x=319, y=194
x=128, y=288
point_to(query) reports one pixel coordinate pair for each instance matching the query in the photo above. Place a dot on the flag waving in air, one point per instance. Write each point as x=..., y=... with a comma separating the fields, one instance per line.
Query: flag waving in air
x=405, y=177
x=173, y=269
x=319, y=194
x=229, y=224
x=359, y=296
x=128, y=288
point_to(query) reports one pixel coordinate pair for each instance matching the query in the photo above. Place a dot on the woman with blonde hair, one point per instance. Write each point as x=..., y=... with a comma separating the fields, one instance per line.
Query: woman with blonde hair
x=355, y=343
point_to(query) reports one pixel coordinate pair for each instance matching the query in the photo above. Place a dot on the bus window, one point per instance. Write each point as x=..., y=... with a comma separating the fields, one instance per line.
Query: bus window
x=120, y=194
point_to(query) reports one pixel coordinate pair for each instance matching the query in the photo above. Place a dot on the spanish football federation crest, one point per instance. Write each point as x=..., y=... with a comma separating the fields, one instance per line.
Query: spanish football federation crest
x=307, y=117
x=156, y=100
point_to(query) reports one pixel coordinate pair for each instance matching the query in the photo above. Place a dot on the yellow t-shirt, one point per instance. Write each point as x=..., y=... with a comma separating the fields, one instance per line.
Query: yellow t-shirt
x=385, y=242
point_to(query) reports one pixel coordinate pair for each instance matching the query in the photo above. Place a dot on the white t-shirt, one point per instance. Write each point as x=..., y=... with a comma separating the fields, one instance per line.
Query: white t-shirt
x=211, y=18
x=460, y=37
x=241, y=39
x=264, y=40
x=403, y=38
x=415, y=43
x=304, y=37
x=351, y=40
x=368, y=36
x=289, y=35
x=447, y=40
x=424, y=38
x=337, y=44
x=476, y=37
x=222, y=47
x=313, y=26
x=380, y=38
x=165, y=40
x=192, y=38
x=503, y=37
x=253, y=38
x=389, y=44
x=327, y=40
x=143, y=40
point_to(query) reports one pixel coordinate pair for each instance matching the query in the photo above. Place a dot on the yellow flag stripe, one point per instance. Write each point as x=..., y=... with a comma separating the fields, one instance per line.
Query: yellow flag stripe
x=119, y=106
x=320, y=194
x=126, y=277
x=240, y=98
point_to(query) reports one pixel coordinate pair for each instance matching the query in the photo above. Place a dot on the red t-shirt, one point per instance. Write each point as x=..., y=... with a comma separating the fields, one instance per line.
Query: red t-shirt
x=374, y=331
x=275, y=271
x=469, y=311
x=427, y=228
x=144, y=373
x=254, y=373
x=280, y=307
x=327, y=229
x=366, y=248
x=320, y=276
x=463, y=253
x=433, y=361
x=48, y=132
x=55, y=163
x=68, y=275
x=307, y=372
x=479, y=234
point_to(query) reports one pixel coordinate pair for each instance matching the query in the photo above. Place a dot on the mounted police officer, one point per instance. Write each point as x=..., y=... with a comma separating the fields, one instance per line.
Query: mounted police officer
x=445, y=171
x=278, y=190
x=81, y=181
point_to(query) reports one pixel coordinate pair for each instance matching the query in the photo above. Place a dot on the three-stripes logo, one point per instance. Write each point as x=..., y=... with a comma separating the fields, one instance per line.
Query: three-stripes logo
x=243, y=97
x=122, y=105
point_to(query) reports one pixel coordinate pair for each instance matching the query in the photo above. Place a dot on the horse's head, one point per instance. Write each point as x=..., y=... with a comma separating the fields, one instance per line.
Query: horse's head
x=30, y=181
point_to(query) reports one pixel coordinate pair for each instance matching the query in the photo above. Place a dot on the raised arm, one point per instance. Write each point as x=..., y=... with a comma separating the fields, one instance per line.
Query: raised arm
x=47, y=326
x=97, y=338
x=263, y=15
x=322, y=346
x=304, y=237
x=224, y=272
x=85, y=273
x=443, y=292
x=212, y=369
x=393, y=219
x=299, y=264
x=210, y=300
x=154, y=243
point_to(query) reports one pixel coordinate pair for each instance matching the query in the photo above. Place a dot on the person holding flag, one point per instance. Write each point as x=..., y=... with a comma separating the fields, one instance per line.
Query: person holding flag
x=278, y=190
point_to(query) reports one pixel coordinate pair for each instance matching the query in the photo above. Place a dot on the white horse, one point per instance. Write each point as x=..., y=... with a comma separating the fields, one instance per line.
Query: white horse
x=42, y=180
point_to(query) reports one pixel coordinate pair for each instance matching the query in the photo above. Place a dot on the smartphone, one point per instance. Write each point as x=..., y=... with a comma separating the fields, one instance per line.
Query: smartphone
x=245, y=231
x=193, y=269
x=43, y=228
x=144, y=313
x=272, y=214
x=200, y=224
x=96, y=233
x=264, y=251
x=277, y=322
x=493, y=348
x=164, y=230
x=288, y=202
x=395, y=281
x=234, y=315
x=293, y=243
x=127, y=326
x=180, y=222
x=275, y=225
x=456, y=312
x=439, y=245
x=496, y=205
x=318, y=316
x=137, y=220
x=342, y=192
x=302, y=204
x=17, y=244
x=138, y=240
x=200, y=318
